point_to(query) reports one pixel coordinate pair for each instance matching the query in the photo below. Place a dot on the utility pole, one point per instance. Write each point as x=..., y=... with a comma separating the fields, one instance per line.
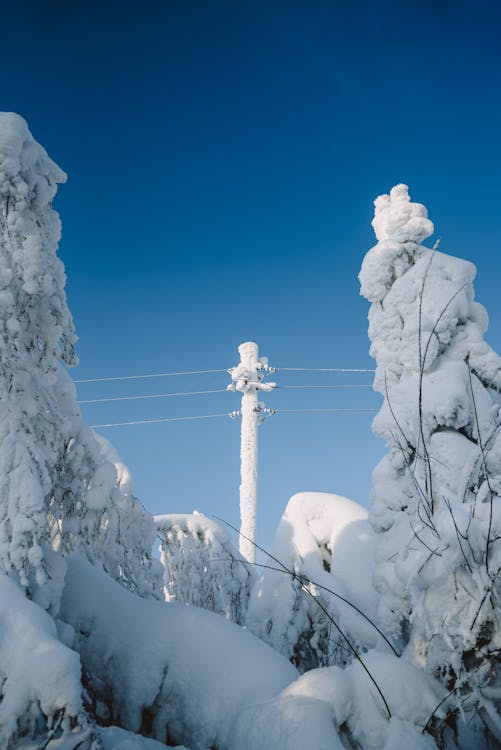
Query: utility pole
x=248, y=377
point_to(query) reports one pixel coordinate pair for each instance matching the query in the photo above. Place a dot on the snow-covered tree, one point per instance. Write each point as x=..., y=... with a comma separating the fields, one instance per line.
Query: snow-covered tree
x=437, y=493
x=59, y=493
x=202, y=567
x=57, y=490
x=315, y=602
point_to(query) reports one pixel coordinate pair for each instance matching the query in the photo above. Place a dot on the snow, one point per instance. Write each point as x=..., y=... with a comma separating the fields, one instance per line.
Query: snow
x=37, y=672
x=58, y=492
x=397, y=218
x=114, y=738
x=344, y=703
x=178, y=669
x=327, y=539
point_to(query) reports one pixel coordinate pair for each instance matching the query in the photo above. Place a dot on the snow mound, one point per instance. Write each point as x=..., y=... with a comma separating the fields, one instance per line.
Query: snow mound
x=167, y=670
x=346, y=710
x=114, y=738
x=328, y=540
x=39, y=676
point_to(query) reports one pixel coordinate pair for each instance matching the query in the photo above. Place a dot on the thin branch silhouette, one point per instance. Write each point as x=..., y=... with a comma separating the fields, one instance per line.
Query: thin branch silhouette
x=320, y=605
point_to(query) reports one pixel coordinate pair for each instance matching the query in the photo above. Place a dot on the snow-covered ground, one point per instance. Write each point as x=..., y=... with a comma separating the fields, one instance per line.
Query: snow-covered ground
x=178, y=671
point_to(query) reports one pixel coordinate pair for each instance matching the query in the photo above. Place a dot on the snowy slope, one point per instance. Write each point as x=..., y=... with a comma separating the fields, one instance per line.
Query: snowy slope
x=174, y=670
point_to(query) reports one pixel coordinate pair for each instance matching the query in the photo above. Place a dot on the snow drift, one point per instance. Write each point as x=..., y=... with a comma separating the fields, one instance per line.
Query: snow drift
x=322, y=560
x=176, y=672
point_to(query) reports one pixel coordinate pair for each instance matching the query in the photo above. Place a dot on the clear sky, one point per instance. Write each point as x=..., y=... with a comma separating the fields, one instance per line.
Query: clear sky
x=222, y=161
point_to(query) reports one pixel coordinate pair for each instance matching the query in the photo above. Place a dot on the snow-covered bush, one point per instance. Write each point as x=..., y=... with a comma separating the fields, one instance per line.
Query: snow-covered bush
x=319, y=588
x=436, y=494
x=202, y=567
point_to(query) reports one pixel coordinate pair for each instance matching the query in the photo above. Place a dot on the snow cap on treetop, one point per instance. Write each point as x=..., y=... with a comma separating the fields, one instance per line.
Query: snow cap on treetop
x=397, y=218
x=400, y=226
x=19, y=152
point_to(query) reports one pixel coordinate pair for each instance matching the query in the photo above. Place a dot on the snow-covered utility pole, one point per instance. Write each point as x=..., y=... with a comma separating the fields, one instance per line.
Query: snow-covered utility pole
x=248, y=378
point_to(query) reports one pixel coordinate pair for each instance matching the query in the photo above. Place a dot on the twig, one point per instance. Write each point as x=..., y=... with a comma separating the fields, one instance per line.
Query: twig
x=305, y=579
x=458, y=535
x=421, y=372
x=421, y=375
x=54, y=729
x=484, y=466
x=433, y=551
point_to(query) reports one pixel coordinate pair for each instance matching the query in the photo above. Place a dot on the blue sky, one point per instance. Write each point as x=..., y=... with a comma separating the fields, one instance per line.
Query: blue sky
x=222, y=161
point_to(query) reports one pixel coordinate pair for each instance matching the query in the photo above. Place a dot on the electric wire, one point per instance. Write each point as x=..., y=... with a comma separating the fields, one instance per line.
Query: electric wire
x=153, y=421
x=330, y=387
x=218, y=390
x=206, y=372
x=145, y=396
x=152, y=375
x=225, y=414
x=321, y=369
x=318, y=411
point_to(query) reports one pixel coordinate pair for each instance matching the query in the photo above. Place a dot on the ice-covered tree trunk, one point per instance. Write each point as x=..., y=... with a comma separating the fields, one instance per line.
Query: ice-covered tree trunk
x=436, y=494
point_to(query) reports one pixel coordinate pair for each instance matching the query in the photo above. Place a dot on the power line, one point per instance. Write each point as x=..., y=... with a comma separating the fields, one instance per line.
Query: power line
x=153, y=375
x=321, y=369
x=206, y=372
x=155, y=395
x=219, y=390
x=152, y=421
x=330, y=387
x=226, y=414
x=318, y=411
